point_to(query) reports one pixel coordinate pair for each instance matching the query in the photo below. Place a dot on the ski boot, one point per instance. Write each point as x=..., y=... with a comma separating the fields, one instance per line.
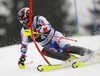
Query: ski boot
x=21, y=62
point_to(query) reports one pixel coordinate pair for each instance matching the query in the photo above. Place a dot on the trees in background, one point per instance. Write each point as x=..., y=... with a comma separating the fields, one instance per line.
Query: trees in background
x=51, y=9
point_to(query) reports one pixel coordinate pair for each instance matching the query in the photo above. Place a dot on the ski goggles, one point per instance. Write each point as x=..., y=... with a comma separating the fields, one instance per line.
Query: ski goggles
x=25, y=21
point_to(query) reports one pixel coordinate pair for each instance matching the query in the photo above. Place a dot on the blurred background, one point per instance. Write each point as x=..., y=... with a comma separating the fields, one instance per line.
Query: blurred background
x=71, y=17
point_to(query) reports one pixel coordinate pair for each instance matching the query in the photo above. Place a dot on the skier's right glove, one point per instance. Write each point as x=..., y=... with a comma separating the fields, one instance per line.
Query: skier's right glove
x=21, y=62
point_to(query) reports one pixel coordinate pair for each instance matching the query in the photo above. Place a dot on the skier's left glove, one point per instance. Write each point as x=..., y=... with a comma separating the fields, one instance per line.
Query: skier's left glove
x=21, y=62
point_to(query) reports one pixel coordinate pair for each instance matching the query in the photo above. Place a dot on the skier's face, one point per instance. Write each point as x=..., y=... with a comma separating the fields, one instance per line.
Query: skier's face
x=26, y=25
x=25, y=22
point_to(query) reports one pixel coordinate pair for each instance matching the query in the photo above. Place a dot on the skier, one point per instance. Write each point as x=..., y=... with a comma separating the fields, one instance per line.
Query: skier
x=53, y=47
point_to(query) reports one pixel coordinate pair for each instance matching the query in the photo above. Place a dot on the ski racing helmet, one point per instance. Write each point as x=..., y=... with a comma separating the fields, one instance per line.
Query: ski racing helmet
x=23, y=15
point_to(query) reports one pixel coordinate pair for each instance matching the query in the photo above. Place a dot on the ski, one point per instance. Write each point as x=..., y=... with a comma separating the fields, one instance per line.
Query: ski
x=76, y=64
x=82, y=64
x=42, y=68
x=94, y=60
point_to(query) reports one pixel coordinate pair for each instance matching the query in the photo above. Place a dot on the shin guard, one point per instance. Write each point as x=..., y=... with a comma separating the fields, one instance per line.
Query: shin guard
x=55, y=55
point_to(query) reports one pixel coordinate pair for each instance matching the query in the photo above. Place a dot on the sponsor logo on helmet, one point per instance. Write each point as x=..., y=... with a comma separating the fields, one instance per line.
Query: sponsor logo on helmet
x=20, y=14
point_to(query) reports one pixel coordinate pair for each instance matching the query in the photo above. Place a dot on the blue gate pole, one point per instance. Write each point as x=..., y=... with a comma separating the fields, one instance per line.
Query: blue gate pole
x=95, y=24
x=76, y=18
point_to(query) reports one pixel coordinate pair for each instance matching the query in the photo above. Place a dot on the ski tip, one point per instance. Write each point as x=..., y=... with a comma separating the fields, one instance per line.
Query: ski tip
x=39, y=68
x=76, y=64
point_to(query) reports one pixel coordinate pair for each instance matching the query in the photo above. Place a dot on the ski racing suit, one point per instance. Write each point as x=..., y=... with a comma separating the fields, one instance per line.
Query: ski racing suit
x=56, y=48
x=41, y=25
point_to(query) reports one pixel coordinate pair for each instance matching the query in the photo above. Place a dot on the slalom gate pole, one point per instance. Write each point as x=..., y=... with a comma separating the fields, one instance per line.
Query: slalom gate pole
x=30, y=16
x=95, y=24
x=76, y=18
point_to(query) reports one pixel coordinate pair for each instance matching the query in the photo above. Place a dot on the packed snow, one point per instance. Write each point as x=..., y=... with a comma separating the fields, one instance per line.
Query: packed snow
x=9, y=58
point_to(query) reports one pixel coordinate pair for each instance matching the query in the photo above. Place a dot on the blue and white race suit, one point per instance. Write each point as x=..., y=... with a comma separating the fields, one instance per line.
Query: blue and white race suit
x=49, y=42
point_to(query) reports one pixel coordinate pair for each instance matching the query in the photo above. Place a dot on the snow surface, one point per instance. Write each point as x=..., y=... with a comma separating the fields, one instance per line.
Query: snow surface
x=9, y=57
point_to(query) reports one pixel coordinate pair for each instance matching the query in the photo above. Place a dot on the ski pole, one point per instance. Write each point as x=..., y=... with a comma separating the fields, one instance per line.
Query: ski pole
x=58, y=37
x=28, y=63
x=28, y=33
